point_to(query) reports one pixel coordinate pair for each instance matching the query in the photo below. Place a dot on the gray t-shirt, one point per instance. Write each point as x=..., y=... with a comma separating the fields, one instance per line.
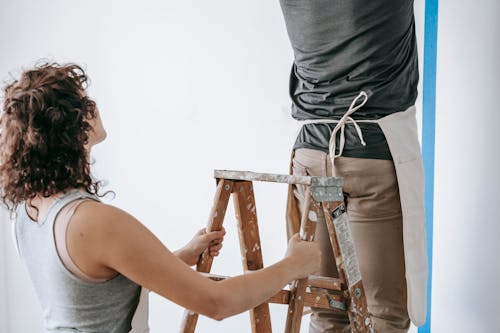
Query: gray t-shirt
x=342, y=47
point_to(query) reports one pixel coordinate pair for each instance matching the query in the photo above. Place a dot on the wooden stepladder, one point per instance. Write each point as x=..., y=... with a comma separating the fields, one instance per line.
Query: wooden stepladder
x=324, y=194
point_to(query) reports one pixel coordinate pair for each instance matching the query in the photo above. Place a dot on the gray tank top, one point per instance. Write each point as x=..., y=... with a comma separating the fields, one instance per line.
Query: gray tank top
x=68, y=303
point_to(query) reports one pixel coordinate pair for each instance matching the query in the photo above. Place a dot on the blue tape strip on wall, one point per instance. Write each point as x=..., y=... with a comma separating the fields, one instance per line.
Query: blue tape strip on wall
x=428, y=134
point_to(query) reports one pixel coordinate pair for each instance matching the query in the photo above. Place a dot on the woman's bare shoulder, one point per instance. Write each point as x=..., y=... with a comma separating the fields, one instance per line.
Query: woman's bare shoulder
x=92, y=210
x=96, y=221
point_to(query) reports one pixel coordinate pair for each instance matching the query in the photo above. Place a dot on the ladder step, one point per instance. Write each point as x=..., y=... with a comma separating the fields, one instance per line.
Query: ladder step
x=313, y=281
x=277, y=178
x=264, y=177
x=315, y=299
x=325, y=282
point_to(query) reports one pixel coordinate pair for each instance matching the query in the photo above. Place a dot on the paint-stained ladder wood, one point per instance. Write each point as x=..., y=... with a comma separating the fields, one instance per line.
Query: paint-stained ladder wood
x=251, y=253
x=298, y=290
x=355, y=294
x=221, y=199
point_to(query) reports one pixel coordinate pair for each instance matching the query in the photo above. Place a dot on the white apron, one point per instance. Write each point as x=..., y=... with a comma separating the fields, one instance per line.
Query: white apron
x=400, y=130
x=140, y=319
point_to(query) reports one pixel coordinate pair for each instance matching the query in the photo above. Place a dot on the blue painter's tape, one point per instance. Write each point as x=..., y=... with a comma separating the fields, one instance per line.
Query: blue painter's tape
x=428, y=134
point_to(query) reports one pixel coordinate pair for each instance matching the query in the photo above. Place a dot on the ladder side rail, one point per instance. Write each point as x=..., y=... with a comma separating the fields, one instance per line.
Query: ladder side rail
x=347, y=266
x=298, y=289
x=250, y=246
x=221, y=199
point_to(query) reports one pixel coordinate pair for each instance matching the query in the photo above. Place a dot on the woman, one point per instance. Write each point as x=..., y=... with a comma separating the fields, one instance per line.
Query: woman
x=88, y=260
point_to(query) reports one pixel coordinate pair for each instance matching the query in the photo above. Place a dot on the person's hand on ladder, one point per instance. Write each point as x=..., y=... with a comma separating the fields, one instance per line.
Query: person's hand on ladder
x=305, y=255
x=202, y=240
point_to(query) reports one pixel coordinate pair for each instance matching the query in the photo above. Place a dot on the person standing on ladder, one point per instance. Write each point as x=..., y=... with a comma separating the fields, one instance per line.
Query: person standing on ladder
x=353, y=86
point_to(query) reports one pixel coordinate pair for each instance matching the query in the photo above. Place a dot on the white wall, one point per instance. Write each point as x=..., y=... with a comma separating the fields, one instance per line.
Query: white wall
x=183, y=88
x=467, y=211
x=3, y=274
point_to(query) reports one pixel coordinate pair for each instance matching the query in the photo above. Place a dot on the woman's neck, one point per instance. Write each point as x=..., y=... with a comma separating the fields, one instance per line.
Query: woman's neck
x=37, y=208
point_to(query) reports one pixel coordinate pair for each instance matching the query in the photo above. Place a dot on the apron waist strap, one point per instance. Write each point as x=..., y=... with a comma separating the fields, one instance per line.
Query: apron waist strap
x=346, y=119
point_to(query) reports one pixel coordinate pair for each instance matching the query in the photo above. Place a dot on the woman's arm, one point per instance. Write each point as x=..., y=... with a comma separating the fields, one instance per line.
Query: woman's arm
x=243, y=292
x=102, y=239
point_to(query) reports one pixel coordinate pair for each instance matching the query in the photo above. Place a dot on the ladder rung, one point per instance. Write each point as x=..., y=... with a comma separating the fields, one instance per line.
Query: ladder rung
x=325, y=282
x=312, y=281
x=311, y=298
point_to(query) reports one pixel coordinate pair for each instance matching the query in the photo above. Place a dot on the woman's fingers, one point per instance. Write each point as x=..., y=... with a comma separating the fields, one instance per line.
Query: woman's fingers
x=215, y=236
x=213, y=240
x=216, y=247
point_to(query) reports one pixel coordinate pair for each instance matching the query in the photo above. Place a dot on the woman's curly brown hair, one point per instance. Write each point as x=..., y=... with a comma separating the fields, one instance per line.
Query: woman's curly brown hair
x=43, y=133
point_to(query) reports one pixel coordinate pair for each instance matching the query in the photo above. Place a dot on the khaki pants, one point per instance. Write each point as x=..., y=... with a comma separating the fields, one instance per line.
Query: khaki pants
x=374, y=210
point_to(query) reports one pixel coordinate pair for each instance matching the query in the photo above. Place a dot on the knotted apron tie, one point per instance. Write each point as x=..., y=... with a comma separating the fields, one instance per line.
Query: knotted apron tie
x=346, y=118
